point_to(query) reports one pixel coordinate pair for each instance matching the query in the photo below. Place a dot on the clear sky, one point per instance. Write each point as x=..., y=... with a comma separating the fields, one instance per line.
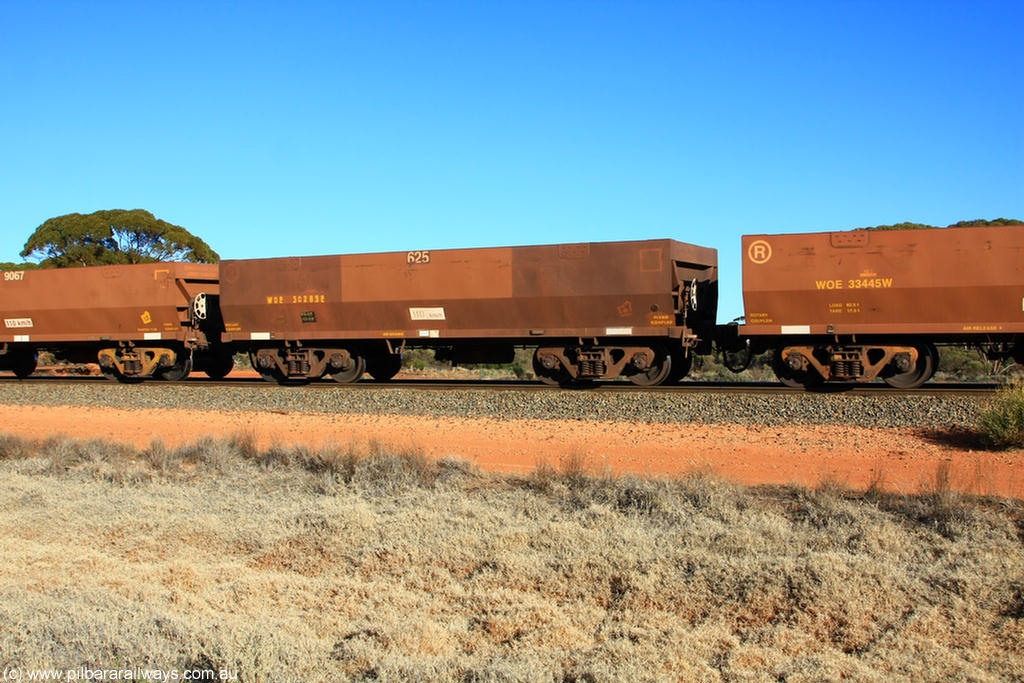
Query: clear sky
x=294, y=128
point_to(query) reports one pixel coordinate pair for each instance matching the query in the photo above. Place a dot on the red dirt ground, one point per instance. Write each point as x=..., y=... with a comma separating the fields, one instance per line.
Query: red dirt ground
x=897, y=460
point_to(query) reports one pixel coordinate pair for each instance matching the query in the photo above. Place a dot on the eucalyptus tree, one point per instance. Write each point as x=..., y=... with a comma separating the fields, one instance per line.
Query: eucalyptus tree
x=113, y=237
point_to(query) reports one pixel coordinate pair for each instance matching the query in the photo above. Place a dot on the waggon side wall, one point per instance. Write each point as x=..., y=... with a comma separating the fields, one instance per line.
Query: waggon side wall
x=948, y=283
x=118, y=303
x=535, y=293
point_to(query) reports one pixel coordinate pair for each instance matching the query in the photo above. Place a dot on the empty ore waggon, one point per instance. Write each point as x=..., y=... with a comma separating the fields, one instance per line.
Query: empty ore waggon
x=850, y=306
x=594, y=311
x=862, y=304
x=146, y=320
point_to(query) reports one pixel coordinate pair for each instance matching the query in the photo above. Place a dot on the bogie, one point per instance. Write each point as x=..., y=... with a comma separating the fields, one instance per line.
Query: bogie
x=651, y=365
x=297, y=364
x=903, y=366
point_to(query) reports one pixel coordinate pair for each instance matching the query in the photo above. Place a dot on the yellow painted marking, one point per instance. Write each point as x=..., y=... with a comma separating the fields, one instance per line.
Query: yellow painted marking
x=296, y=298
x=855, y=283
x=661, y=320
x=759, y=252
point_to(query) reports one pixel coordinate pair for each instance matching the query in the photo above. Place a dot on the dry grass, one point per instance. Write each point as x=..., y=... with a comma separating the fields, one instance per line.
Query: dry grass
x=357, y=563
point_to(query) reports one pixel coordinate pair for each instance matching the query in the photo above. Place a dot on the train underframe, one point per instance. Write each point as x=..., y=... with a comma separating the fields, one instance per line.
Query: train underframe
x=129, y=363
x=124, y=361
x=903, y=363
x=644, y=361
x=297, y=362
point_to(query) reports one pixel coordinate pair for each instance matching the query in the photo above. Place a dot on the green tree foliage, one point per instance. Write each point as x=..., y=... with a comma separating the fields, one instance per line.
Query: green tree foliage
x=7, y=265
x=900, y=226
x=113, y=237
x=977, y=223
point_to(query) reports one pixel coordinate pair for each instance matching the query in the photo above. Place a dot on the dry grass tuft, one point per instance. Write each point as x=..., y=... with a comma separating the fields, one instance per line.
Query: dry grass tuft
x=14, y=447
x=943, y=503
x=245, y=443
x=833, y=485
x=363, y=562
x=574, y=466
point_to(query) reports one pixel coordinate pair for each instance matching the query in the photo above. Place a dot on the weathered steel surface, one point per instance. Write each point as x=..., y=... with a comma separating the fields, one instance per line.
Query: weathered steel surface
x=948, y=283
x=534, y=293
x=144, y=302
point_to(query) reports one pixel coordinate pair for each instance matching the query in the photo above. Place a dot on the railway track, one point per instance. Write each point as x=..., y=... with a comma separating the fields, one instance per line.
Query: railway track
x=688, y=387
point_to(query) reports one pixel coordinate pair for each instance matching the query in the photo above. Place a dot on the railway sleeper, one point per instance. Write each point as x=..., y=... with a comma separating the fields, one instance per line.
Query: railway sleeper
x=861, y=363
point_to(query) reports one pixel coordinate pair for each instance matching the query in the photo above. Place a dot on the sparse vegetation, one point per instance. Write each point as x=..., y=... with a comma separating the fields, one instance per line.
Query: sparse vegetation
x=422, y=362
x=360, y=563
x=959, y=364
x=976, y=223
x=1001, y=424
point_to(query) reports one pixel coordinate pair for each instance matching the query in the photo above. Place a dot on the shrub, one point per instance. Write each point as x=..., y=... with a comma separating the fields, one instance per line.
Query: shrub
x=1002, y=423
x=14, y=447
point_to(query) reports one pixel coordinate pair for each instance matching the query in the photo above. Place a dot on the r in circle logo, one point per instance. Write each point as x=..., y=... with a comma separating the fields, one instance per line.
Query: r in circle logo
x=759, y=252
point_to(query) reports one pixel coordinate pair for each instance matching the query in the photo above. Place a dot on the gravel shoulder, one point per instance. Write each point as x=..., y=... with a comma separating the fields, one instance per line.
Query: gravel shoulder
x=895, y=443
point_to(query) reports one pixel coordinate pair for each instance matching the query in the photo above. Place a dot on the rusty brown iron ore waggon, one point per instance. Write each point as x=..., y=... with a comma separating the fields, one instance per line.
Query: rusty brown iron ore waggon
x=136, y=321
x=594, y=311
x=864, y=304
x=851, y=306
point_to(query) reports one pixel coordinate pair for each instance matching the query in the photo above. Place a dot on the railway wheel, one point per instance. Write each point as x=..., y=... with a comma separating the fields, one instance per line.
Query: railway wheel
x=933, y=351
x=181, y=369
x=275, y=375
x=921, y=372
x=794, y=371
x=681, y=365
x=549, y=370
x=113, y=373
x=270, y=375
x=352, y=373
x=217, y=365
x=383, y=368
x=22, y=363
x=737, y=360
x=659, y=371
x=268, y=372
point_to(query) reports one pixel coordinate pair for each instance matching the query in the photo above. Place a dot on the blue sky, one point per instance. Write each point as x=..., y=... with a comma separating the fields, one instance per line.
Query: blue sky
x=293, y=128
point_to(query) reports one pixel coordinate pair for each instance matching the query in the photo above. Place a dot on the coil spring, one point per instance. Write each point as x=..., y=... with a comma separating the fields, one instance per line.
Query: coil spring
x=298, y=364
x=847, y=368
x=591, y=368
